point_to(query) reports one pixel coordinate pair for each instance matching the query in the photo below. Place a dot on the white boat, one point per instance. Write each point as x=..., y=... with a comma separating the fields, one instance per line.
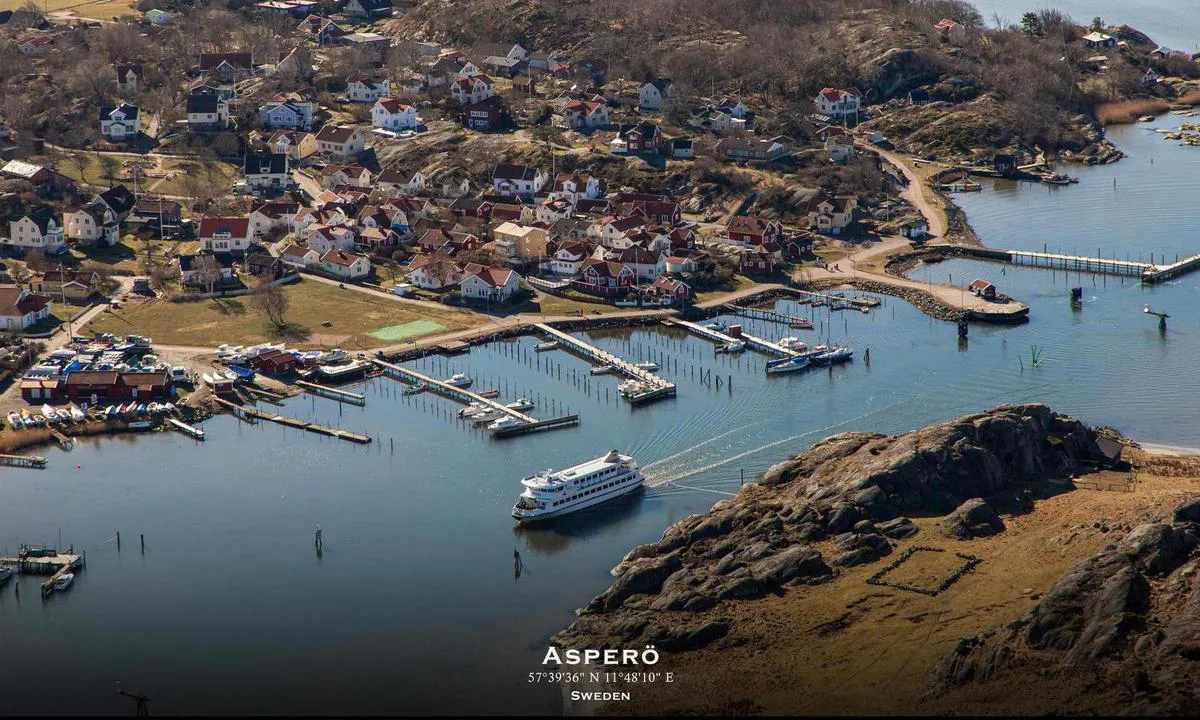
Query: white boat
x=543, y=347
x=488, y=416
x=14, y=419
x=506, y=422
x=631, y=387
x=648, y=365
x=49, y=413
x=473, y=409
x=413, y=389
x=230, y=375
x=601, y=370
x=461, y=380
x=334, y=355
x=734, y=347
x=520, y=404
x=5, y=573
x=792, y=343
x=551, y=494
x=786, y=365
x=76, y=414
x=62, y=582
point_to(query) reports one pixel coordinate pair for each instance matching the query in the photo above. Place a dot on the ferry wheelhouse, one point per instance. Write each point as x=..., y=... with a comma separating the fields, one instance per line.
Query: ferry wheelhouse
x=550, y=494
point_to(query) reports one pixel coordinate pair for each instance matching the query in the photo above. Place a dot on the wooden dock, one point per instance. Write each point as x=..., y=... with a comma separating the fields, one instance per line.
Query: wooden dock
x=761, y=314
x=297, y=423
x=187, y=429
x=453, y=392
x=23, y=461
x=333, y=393
x=1148, y=272
x=765, y=346
x=660, y=388
x=45, y=561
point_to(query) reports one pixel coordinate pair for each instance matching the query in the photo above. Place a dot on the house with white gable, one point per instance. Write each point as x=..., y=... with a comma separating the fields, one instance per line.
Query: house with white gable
x=838, y=102
x=336, y=175
x=130, y=77
x=39, y=229
x=366, y=89
x=120, y=123
x=20, y=309
x=434, y=272
x=345, y=265
x=575, y=186
x=94, y=224
x=286, y=114
x=471, y=89
x=267, y=171
x=568, y=259
x=520, y=180
x=225, y=235
x=394, y=114
x=831, y=214
x=298, y=257
x=324, y=238
x=490, y=284
x=341, y=142
x=655, y=94
x=269, y=218
x=394, y=179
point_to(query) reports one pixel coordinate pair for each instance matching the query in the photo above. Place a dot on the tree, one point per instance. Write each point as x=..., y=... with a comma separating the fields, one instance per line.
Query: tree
x=36, y=261
x=270, y=300
x=207, y=271
x=1097, y=24
x=1031, y=24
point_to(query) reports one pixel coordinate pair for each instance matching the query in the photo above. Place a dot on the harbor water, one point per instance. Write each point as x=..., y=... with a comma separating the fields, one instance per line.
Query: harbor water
x=415, y=604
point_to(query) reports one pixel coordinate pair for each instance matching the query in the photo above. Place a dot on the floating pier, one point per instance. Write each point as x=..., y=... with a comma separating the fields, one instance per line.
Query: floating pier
x=33, y=560
x=761, y=314
x=660, y=388
x=297, y=423
x=538, y=426
x=23, y=461
x=333, y=393
x=1148, y=272
x=187, y=429
x=716, y=336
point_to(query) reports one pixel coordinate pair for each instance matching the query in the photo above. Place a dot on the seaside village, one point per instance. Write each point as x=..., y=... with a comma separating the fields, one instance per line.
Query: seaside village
x=490, y=180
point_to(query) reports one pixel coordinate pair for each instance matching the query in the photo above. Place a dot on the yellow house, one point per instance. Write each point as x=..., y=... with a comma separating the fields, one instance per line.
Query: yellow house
x=519, y=241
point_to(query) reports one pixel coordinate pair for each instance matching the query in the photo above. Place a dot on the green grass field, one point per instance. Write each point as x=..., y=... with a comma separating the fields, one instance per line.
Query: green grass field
x=415, y=328
x=101, y=10
x=351, y=316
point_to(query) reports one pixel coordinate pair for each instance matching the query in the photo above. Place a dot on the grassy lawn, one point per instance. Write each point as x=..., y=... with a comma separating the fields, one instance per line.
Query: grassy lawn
x=737, y=283
x=554, y=305
x=350, y=316
x=105, y=10
x=126, y=255
x=224, y=174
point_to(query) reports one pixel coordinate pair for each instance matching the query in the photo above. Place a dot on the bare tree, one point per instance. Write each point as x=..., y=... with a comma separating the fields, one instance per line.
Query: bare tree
x=270, y=300
x=207, y=271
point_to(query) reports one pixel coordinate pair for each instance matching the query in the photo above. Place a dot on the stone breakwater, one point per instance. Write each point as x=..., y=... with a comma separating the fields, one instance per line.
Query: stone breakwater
x=919, y=299
x=853, y=489
x=1129, y=615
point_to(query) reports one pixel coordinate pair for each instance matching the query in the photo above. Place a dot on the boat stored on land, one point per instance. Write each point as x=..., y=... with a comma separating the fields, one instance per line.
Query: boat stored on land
x=550, y=494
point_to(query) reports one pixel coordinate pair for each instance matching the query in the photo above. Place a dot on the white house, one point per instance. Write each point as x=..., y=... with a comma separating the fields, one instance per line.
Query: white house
x=471, y=89
x=345, y=265
x=206, y=110
x=839, y=147
x=286, y=114
x=656, y=93
x=342, y=142
x=568, y=259
x=356, y=175
x=831, y=215
x=367, y=89
x=394, y=179
x=270, y=217
x=93, y=224
x=120, y=123
x=491, y=284
x=129, y=77
x=369, y=9
x=838, y=102
x=267, y=171
x=574, y=187
x=40, y=229
x=324, y=238
x=522, y=180
x=20, y=308
x=298, y=257
x=434, y=272
x=225, y=235
x=394, y=114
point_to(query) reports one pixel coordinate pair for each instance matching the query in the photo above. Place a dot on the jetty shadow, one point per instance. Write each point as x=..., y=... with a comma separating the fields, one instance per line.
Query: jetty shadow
x=556, y=535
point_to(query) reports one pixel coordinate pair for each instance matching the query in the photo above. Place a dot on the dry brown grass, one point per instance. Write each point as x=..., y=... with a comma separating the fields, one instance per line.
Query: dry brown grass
x=1128, y=111
x=1192, y=98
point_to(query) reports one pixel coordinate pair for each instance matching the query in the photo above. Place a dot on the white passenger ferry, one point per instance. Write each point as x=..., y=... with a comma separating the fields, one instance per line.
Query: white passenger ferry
x=550, y=494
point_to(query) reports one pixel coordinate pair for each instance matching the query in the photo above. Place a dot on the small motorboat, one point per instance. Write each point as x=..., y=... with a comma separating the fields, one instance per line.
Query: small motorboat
x=520, y=404
x=648, y=365
x=461, y=380
x=734, y=347
x=230, y=375
x=413, y=389
x=49, y=413
x=62, y=582
x=473, y=409
x=629, y=388
x=14, y=419
x=833, y=356
x=804, y=301
x=801, y=325
x=543, y=347
x=818, y=302
x=792, y=343
x=490, y=394
x=786, y=365
x=169, y=407
x=504, y=423
x=487, y=416
x=334, y=355
x=601, y=370
x=76, y=414
x=718, y=326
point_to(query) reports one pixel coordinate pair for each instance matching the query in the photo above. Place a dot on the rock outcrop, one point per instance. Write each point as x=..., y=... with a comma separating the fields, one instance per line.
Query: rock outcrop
x=974, y=518
x=1132, y=608
x=854, y=489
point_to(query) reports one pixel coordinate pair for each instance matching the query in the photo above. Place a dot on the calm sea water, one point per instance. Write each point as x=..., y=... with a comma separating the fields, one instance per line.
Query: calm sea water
x=1168, y=22
x=414, y=605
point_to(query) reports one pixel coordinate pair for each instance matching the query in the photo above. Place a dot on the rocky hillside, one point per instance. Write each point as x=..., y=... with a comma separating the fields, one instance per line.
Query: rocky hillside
x=842, y=503
x=1128, y=617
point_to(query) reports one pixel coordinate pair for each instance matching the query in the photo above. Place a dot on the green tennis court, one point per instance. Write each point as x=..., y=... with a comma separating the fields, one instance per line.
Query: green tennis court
x=406, y=330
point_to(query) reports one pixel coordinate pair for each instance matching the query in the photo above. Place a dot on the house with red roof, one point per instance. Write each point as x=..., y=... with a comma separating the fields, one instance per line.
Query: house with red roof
x=749, y=230
x=345, y=265
x=20, y=309
x=838, y=102
x=492, y=284
x=604, y=277
x=394, y=114
x=225, y=235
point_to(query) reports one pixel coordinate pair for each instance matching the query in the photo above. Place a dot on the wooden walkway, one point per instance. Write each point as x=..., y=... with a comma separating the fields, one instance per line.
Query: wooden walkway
x=1148, y=272
x=297, y=423
x=333, y=393
x=23, y=461
x=445, y=389
x=590, y=352
x=757, y=343
x=56, y=565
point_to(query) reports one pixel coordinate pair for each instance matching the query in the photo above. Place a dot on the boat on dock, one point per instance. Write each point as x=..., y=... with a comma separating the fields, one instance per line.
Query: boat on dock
x=732, y=347
x=412, y=389
x=794, y=344
x=62, y=582
x=487, y=416
x=786, y=365
x=647, y=365
x=549, y=494
x=521, y=404
x=543, y=347
x=630, y=388
x=474, y=408
x=601, y=370
x=76, y=414
x=14, y=419
x=506, y=422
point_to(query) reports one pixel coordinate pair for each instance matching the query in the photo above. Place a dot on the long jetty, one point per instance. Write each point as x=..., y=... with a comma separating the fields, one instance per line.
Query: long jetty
x=23, y=461
x=333, y=393
x=453, y=392
x=242, y=410
x=660, y=387
x=716, y=336
x=1148, y=272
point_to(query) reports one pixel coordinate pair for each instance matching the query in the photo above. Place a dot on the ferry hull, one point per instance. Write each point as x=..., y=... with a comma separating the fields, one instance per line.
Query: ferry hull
x=591, y=502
